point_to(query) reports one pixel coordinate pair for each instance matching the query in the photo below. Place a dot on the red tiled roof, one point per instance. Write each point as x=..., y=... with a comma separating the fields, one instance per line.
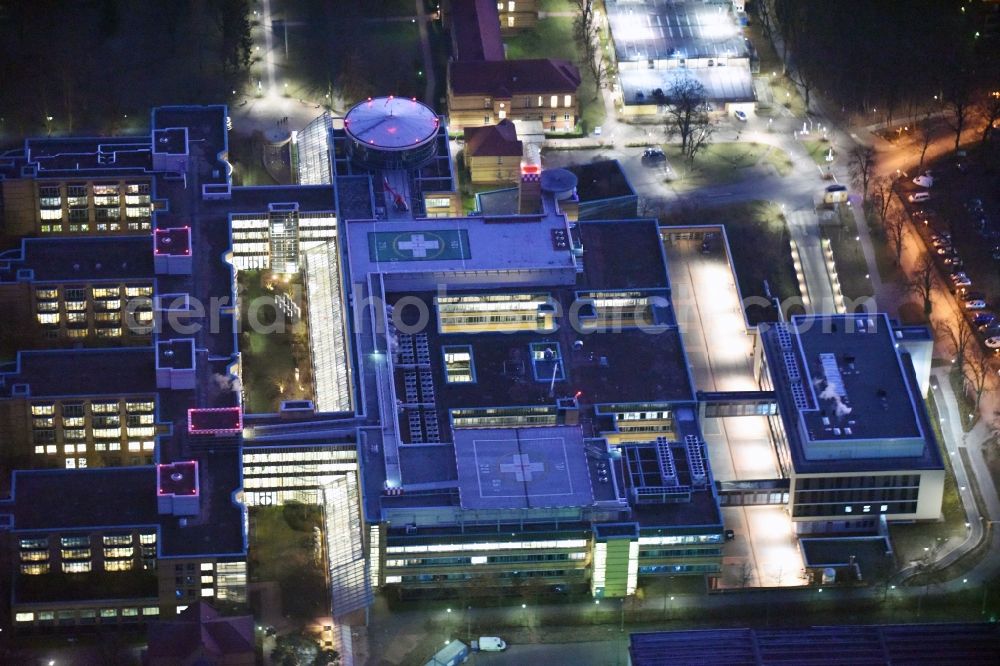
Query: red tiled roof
x=475, y=29
x=507, y=78
x=493, y=141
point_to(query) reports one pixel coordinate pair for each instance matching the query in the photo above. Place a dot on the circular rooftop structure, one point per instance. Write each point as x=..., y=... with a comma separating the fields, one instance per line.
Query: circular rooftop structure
x=560, y=182
x=391, y=132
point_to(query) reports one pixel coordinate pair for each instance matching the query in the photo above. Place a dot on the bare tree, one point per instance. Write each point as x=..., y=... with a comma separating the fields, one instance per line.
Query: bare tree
x=923, y=281
x=746, y=574
x=587, y=34
x=894, y=226
x=959, y=101
x=926, y=127
x=978, y=370
x=959, y=334
x=881, y=200
x=687, y=115
x=989, y=111
x=862, y=165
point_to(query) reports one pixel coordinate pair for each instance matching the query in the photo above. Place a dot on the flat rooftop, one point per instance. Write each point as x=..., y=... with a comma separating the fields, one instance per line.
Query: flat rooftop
x=722, y=84
x=660, y=31
x=215, y=420
x=87, y=157
x=627, y=365
x=82, y=372
x=623, y=255
x=596, y=181
x=855, y=376
x=170, y=141
x=522, y=468
x=868, y=408
x=177, y=353
x=310, y=198
x=111, y=497
x=177, y=478
x=175, y=241
x=81, y=259
x=843, y=645
x=456, y=244
x=96, y=497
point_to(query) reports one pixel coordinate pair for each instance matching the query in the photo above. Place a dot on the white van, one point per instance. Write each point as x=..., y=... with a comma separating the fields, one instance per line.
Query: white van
x=917, y=197
x=489, y=644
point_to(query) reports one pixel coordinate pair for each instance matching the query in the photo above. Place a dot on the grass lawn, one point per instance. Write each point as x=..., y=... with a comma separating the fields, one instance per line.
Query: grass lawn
x=817, y=149
x=553, y=38
x=848, y=257
x=556, y=6
x=245, y=156
x=909, y=541
x=282, y=550
x=390, y=8
x=725, y=162
x=992, y=456
x=966, y=405
x=784, y=91
x=396, y=68
x=270, y=358
x=759, y=242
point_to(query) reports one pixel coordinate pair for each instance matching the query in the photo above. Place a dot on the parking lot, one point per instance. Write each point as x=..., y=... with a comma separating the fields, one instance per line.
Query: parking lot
x=954, y=205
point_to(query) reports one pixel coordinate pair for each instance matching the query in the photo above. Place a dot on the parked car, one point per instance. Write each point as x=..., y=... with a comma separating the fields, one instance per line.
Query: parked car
x=740, y=115
x=489, y=644
x=983, y=319
x=954, y=262
x=919, y=197
x=975, y=305
x=940, y=241
x=960, y=279
x=924, y=181
x=945, y=249
x=993, y=343
x=974, y=296
x=653, y=156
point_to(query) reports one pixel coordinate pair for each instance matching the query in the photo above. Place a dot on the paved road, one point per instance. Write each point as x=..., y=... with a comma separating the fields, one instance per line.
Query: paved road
x=592, y=653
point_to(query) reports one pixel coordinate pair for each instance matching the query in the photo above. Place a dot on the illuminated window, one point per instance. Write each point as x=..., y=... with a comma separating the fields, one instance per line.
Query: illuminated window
x=76, y=567
x=35, y=569
x=119, y=551
x=118, y=540
x=459, y=366
x=554, y=101
x=567, y=100
x=24, y=617
x=118, y=565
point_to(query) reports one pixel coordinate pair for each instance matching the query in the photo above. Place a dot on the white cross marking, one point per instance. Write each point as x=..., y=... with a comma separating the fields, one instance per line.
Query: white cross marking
x=522, y=467
x=418, y=245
